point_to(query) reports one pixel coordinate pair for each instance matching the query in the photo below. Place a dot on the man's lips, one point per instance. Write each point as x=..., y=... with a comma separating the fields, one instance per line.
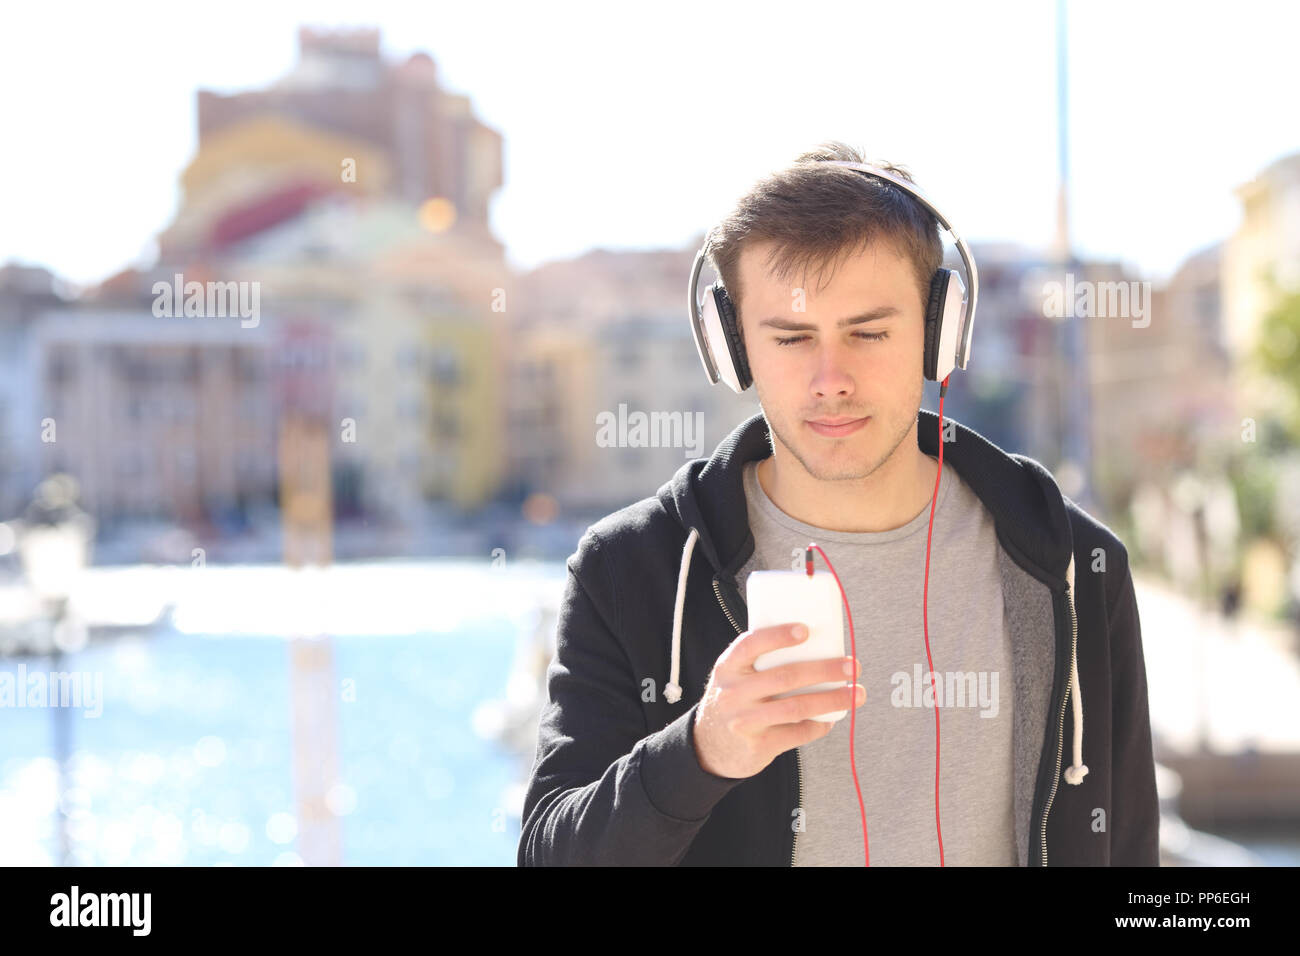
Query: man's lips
x=840, y=420
x=837, y=427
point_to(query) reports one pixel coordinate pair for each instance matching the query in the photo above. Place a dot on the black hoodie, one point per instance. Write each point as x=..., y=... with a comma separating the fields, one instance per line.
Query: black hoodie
x=616, y=780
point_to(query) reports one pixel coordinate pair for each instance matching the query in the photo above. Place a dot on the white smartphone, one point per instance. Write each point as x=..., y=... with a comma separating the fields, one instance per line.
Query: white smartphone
x=782, y=597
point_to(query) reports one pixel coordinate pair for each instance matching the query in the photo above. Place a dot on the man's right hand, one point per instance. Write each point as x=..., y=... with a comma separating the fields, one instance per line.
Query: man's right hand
x=740, y=729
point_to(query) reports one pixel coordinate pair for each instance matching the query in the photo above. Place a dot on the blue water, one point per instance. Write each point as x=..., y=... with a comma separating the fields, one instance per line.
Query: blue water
x=190, y=761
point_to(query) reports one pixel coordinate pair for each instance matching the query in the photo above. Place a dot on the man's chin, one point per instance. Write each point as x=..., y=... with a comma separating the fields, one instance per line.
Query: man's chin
x=838, y=461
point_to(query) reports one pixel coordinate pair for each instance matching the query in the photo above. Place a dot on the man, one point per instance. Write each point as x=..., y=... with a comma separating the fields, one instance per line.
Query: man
x=1030, y=602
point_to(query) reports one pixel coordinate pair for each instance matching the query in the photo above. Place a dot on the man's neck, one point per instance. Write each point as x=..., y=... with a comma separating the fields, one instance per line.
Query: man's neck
x=888, y=498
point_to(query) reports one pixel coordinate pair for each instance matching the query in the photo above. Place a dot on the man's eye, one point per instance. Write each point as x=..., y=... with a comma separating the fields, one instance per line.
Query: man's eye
x=869, y=336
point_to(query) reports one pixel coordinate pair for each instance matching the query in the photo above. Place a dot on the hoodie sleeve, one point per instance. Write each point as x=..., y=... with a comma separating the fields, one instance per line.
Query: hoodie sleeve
x=1135, y=808
x=602, y=791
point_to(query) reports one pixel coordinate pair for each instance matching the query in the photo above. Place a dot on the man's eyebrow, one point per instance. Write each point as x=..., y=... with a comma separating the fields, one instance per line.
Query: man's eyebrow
x=883, y=312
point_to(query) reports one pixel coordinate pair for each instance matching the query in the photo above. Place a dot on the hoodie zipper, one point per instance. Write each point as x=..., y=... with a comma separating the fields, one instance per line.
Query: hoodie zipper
x=723, y=605
x=798, y=775
x=798, y=764
x=1060, y=736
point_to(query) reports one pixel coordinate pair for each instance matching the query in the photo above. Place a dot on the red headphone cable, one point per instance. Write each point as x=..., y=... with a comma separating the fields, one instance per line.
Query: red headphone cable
x=853, y=710
x=925, y=618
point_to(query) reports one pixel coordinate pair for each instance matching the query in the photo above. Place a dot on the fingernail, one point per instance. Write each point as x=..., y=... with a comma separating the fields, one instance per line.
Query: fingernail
x=800, y=631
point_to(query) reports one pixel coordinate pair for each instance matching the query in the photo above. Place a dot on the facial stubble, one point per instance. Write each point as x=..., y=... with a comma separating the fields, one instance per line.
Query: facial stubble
x=853, y=474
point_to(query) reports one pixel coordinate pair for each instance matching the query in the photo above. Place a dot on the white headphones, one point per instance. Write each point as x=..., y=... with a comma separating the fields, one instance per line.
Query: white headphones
x=949, y=314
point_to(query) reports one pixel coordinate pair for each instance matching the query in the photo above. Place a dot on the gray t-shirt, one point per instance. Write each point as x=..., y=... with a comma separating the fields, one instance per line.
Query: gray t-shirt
x=894, y=749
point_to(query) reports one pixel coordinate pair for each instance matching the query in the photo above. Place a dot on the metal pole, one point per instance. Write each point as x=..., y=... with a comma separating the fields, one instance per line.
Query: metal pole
x=62, y=750
x=1077, y=427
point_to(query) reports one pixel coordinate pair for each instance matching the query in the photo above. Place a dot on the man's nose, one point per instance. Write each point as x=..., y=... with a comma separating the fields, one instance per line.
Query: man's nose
x=832, y=375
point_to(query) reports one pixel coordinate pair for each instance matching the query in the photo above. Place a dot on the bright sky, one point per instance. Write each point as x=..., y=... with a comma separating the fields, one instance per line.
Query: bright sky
x=636, y=125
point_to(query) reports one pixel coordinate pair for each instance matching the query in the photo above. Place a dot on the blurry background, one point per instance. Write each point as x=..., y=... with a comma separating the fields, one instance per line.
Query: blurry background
x=310, y=318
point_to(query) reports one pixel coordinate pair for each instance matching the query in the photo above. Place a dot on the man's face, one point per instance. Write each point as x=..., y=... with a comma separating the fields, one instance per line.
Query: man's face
x=825, y=370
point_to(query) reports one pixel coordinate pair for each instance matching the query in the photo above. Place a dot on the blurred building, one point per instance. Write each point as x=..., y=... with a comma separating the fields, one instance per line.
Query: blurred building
x=1262, y=258
x=602, y=338
x=1027, y=385
x=1261, y=264
x=25, y=291
x=1094, y=372
x=353, y=194
x=343, y=90
x=415, y=349
x=1011, y=390
x=156, y=417
x=1161, y=396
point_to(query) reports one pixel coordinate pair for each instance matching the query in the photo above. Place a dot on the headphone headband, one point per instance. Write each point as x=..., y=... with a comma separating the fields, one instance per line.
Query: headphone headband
x=967, y=260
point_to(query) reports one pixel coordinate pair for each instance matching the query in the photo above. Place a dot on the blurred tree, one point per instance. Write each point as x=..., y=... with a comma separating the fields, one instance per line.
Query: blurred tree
x=1255, y=482
x=1278, y=354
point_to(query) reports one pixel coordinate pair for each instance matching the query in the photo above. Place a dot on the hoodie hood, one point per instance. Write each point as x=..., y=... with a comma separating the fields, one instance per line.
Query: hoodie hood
x=707, y=498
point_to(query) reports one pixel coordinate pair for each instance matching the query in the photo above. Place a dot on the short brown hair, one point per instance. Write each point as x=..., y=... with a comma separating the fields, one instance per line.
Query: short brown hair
x=819, y=215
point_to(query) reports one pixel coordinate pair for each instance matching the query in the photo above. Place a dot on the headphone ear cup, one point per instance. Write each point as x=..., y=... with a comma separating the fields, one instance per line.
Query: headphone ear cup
x=730, y=325
x=934, y=322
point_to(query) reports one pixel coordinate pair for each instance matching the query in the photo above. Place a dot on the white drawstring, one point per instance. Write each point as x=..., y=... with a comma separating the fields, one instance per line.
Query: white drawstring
x=1075, y=773
x=673, y=690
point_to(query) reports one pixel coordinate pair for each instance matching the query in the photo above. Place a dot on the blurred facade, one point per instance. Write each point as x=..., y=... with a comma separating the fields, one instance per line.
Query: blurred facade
x=353, y=194
x=155, y=417
x=1262, y=258
x=1160, y=385
x=25, y=291
x=589, y=335
x=1261, y=264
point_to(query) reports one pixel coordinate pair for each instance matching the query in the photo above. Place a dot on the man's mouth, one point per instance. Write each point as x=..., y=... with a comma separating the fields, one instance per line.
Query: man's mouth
x=838, y=426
